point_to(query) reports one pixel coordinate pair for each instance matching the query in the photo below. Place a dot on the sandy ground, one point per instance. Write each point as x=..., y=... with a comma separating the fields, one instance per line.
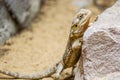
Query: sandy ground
x=43, y=43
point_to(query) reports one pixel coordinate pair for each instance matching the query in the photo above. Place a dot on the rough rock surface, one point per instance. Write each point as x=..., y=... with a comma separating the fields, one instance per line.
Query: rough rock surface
x=14, y=12
x=24, y=10
x=101, y=48
x=7, y=26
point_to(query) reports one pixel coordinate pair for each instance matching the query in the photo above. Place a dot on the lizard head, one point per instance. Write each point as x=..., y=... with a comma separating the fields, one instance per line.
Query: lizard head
x=80, y=23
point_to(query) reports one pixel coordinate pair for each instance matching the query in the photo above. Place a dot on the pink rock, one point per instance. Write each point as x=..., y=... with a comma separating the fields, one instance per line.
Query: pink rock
x=101, y=48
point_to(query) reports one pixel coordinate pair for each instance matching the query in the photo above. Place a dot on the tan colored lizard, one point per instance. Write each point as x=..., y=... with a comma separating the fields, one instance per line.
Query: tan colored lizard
x=73, y=49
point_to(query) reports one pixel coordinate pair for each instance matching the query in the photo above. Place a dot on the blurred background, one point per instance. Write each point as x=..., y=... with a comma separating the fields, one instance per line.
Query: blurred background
x=42, y=42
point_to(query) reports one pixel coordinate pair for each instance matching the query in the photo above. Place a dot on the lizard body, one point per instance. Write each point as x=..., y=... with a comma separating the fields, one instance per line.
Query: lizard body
x=73, y=49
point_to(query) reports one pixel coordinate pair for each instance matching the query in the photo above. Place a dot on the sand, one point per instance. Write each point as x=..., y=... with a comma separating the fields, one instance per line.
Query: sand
x=42, y=44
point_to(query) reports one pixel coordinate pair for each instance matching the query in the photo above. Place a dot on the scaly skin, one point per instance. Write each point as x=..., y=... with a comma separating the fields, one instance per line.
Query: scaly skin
x=73, y=49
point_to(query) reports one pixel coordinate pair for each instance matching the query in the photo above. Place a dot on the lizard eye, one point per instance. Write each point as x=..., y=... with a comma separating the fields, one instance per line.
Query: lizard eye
x=75, y=27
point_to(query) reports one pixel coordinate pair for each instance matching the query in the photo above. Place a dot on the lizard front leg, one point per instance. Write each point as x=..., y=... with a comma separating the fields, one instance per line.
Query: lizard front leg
x=75, y=40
